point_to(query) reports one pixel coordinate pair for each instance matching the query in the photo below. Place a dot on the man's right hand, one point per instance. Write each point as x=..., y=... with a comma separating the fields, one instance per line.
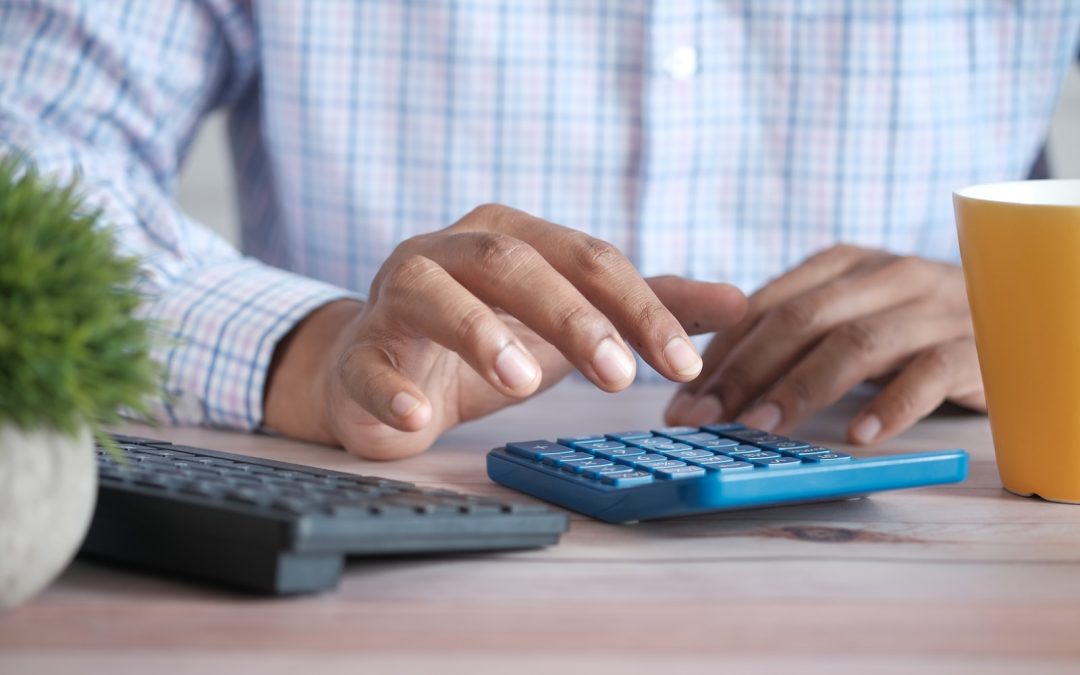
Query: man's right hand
x=467, y=320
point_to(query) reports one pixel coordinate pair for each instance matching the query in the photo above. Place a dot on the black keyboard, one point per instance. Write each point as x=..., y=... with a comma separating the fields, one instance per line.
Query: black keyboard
x=273, y=527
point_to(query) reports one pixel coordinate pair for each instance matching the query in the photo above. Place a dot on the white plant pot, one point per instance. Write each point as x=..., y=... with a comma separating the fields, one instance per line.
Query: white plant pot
x=48, y=485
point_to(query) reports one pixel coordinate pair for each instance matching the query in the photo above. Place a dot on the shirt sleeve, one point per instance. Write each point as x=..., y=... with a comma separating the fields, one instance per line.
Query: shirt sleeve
x=112, y=93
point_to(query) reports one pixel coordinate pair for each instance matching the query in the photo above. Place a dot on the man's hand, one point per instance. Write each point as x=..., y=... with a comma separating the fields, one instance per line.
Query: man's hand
x=844, y=316
x=467, y=320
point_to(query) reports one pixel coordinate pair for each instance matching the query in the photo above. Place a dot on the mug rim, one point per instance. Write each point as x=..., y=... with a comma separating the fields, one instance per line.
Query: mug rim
x=1050, y=192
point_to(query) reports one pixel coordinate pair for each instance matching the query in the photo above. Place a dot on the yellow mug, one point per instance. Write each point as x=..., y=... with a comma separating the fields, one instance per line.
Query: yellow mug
x=1020, y=246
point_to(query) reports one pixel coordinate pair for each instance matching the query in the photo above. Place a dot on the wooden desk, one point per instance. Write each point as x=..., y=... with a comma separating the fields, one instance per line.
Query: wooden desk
x=954, y=579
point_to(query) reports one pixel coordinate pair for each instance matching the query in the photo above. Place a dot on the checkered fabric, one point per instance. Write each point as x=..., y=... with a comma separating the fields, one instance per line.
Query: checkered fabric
x=720, y=139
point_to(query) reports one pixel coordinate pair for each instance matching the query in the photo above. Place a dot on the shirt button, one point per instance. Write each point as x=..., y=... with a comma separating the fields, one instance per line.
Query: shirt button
x=680, y=63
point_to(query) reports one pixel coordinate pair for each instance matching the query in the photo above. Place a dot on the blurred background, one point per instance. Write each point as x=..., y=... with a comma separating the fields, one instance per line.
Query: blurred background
x=206, y=186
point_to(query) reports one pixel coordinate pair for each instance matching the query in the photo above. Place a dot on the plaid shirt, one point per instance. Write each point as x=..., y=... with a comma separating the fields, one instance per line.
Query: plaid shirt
x=720, y=139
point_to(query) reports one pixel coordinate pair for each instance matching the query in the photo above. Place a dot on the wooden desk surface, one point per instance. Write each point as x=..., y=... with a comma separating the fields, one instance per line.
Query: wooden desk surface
x=950, y=579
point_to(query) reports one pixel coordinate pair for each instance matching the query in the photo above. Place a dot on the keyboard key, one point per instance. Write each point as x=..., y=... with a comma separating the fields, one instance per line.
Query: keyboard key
x=595, y=445
x=536, y=449
x=693, y=453
x=631, y=479
x=828, y=458
x=778, y=462
x=657, y=466
x=574, y=440
x=628, y=435
x=675, y=431
x=578, y=467
x=561, y=459
x=680, y=472
x=723, y=428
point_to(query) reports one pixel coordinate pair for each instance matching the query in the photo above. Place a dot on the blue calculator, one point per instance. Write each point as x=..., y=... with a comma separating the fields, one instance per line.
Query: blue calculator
x=679, y=471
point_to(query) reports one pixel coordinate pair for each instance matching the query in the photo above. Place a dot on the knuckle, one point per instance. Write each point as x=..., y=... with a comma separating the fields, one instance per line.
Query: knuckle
x=903, y=404
x=733, y=384
x=651, y=316
x=937, y=363
x=499, y=254
x=794, y=317
x=859, y=338
x=474, y=325
x=908, y=266
x=573, y=319
x=596, y=256
x=409, y=271
x=800, y=392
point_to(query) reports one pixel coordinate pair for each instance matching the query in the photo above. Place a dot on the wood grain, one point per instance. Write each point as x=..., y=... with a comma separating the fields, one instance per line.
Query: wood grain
x=947, y=579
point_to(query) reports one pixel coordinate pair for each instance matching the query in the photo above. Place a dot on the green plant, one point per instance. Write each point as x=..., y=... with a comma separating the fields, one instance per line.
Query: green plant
x=71, y=352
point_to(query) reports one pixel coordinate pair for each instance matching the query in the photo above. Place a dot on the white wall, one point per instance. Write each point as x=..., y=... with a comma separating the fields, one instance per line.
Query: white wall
x=206, y=185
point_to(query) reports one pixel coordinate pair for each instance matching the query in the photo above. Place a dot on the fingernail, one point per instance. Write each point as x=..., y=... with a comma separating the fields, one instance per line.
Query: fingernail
x=866, y=429
x=707, y=409
x=404, y=404
x=679, y=406
x=612, y=363
x=514, y=368
x=765, y=416
x=682, y=357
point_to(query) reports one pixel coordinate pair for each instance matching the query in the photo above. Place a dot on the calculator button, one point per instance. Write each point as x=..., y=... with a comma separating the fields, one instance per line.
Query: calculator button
x=710, y=461
x=733, y=467
x=628, y=435
x=745, y=435
x=559, y=460
x=657, y=444
x=645, y=459
x=763, y=454
x=676, y=431
x=594, y=445
x=828, y=457
x=806, y=452
x=656, y=466
x=717, y=444
x=739, y=450
x=536, y=449
x=574, y=440
x=698, y=437
x=628, y=479
x=782, y=445
x=601, y=471
x=775, y=462
x=578, y=467
x=680, y=472
x=618, y=452
x=723, y=428
x=688, y=454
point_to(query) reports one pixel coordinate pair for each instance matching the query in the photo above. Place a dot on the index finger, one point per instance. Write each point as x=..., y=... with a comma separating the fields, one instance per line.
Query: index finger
x=612, y=284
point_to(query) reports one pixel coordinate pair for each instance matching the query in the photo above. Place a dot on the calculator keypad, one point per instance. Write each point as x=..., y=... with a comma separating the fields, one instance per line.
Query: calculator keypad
x=631, y=458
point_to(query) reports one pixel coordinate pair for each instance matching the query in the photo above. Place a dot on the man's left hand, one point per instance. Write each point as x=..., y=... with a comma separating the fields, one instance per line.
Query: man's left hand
x=842, y=317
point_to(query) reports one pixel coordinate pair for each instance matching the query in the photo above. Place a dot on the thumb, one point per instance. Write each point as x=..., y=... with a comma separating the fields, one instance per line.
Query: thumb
x=700, y=306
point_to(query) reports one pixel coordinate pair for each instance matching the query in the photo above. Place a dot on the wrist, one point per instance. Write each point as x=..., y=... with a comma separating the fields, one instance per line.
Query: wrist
x=294, y=399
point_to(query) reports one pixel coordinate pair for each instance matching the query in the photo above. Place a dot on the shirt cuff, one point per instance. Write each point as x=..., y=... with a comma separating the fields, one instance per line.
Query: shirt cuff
x=217, y=331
